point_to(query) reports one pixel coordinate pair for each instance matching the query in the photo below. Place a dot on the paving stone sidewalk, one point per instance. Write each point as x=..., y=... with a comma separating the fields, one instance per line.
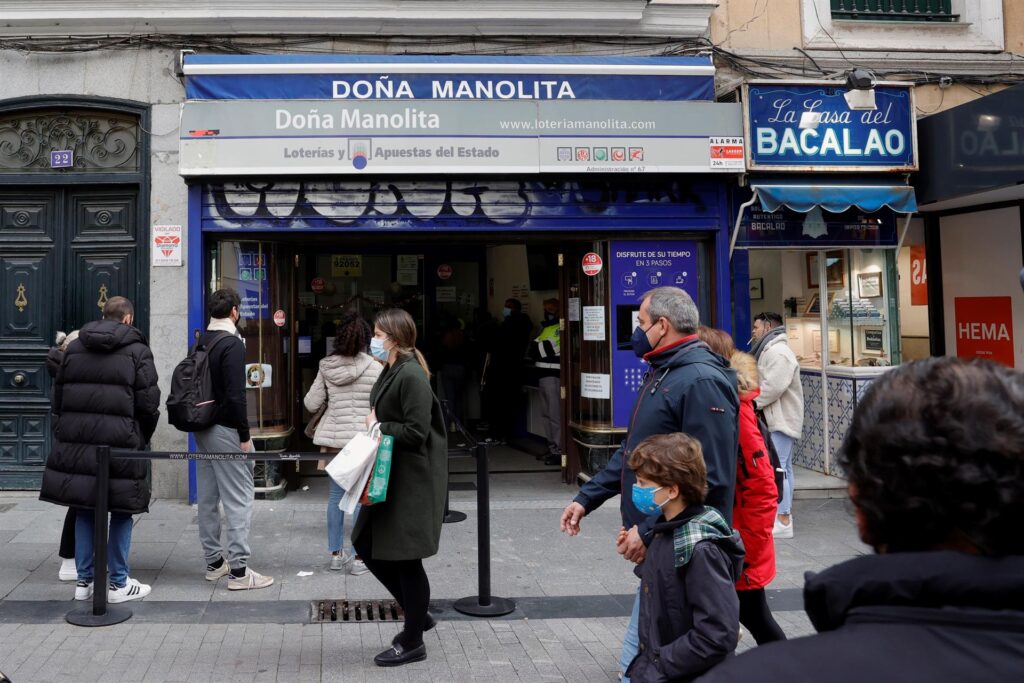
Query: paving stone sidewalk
x=573, y=595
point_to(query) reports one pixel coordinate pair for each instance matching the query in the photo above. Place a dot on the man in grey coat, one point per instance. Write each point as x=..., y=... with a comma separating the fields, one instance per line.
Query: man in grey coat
x=782, y=402
x=227, y=482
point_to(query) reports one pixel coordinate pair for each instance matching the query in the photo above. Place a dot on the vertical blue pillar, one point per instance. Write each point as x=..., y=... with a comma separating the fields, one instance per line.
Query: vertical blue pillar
x=196, y=300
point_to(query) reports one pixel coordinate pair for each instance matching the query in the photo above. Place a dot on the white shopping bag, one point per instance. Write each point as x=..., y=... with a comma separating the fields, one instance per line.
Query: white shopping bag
x=349, y=467
x=350, y=500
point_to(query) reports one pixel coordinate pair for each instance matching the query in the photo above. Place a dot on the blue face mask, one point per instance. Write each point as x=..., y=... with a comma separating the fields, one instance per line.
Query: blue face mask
x=643, y=499
x=506, y=312
x=378, y=351
x=640, y=343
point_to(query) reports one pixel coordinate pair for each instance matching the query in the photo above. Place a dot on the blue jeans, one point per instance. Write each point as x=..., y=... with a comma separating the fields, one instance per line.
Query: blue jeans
x=631, y=641
x=784, y=447
x=119, y=541
x=336, y=519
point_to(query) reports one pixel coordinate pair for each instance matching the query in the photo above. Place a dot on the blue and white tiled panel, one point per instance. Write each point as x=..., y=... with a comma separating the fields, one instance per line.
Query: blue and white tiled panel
x=860, y=385
x=809, y=451
x=842, y=399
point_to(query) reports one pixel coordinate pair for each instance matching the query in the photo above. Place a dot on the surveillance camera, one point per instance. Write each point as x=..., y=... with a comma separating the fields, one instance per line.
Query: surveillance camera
x=860, y=79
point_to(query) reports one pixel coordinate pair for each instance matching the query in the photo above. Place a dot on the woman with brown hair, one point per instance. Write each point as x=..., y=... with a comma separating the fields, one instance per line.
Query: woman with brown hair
x=393, y=537
x=343, y=381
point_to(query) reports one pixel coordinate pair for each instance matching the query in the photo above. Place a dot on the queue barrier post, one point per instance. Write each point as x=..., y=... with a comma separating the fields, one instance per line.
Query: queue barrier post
x=483, y=604
x=100, y=614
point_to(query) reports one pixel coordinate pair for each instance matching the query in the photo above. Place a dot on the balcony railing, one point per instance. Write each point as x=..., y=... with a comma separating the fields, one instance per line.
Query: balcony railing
x=894, y=10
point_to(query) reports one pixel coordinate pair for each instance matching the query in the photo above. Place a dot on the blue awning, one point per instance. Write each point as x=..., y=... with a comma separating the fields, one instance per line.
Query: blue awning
x=837, y=198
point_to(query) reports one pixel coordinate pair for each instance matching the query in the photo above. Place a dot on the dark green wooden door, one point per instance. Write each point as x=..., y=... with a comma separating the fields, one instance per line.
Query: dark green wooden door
x=63, y=252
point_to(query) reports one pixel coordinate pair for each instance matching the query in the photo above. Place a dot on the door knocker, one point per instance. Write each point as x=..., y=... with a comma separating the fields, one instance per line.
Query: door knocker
x=20, y=301
x=103, y=297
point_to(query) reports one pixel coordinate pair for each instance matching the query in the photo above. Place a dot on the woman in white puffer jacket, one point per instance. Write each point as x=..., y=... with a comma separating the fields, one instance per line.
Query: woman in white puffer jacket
x=343, y=381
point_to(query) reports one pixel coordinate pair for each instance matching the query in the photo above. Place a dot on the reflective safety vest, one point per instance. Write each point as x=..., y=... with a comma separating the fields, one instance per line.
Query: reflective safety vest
x=548, y=346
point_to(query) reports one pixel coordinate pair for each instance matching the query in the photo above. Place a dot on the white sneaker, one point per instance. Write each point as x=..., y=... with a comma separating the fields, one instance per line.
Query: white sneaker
x=251, y=581
x=339, y=561
x=214, y=574
x=781, y=530
x=358, y=567
x=83, y=590
x=131, y=590
x=68, y=571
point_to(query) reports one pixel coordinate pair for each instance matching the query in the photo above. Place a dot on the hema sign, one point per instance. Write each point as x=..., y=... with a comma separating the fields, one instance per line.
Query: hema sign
x=809, y=126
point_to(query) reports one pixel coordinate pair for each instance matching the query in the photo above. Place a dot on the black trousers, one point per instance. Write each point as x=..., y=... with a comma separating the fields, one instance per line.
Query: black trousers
x=67, y=536
x=757, y=618
x=406, y=580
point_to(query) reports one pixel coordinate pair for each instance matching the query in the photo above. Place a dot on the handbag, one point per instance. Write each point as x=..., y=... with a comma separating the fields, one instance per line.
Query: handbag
x=314, y=421
x=376, y=490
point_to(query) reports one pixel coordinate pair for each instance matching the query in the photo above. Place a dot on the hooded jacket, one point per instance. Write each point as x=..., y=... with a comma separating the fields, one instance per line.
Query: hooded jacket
x=928, y=616
x=344, y=383
x=105, y=394
x=756, y=494
x=782, y=394
x=689, y=612
x=690, y=389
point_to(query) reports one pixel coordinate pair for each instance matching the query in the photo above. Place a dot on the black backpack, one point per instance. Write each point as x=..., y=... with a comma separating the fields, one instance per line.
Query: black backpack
x=191, y=406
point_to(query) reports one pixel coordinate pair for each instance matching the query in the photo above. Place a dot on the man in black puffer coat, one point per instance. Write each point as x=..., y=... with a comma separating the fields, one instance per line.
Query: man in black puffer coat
x=106, y=394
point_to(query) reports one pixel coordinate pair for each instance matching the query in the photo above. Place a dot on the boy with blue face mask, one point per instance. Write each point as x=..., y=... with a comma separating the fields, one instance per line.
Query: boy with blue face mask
x=689, y=612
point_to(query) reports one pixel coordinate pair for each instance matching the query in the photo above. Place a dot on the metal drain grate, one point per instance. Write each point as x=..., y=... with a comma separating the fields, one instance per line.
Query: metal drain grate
x=355, y=611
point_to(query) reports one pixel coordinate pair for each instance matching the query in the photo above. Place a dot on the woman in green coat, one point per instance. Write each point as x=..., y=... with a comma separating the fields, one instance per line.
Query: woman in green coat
x=393, y=537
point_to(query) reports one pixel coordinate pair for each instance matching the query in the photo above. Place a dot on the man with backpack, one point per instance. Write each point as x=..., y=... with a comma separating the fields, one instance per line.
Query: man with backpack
x=227, y=482
x=781, y=401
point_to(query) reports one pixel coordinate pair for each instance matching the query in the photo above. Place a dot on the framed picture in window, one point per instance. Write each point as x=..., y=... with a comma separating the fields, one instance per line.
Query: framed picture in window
x=872, y=341
x=835, y=269
x=756, y=288
x=869, y=285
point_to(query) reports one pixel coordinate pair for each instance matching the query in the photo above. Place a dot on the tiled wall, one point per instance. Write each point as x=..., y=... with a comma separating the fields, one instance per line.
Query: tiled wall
x=843, y=393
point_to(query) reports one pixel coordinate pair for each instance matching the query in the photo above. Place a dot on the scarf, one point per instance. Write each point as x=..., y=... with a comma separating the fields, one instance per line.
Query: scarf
x=761, y=343
x=223, y=325
x=707, y=525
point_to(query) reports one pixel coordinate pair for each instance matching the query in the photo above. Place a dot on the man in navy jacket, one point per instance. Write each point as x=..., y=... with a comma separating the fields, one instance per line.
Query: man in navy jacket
x=687, y=388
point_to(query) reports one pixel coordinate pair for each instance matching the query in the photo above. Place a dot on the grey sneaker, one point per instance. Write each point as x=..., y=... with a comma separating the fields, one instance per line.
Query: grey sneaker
x=358, y=567
x=214, y=574
x=251, y=581
x=338, y=562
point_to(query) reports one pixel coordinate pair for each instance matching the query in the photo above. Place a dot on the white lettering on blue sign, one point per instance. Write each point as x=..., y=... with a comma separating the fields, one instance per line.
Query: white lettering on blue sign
x=386, y=89
x=810, y=143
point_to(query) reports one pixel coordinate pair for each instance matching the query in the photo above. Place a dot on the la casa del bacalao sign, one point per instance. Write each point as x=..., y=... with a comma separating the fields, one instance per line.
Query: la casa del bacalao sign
x=808, y=126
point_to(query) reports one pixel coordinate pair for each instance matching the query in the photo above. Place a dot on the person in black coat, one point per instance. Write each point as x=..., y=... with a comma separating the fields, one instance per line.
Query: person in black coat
x=935, y=460
x=687, y=388
x=689, y=610
x=106, y=393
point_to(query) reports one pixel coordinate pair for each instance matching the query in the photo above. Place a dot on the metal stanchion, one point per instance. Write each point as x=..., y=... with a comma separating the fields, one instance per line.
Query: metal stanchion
x=484, y=604
x=452, y=516
x=100, y=614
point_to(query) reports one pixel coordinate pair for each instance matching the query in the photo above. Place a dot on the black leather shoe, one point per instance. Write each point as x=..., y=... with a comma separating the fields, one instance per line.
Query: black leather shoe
x=397, y=655
x=430, y=623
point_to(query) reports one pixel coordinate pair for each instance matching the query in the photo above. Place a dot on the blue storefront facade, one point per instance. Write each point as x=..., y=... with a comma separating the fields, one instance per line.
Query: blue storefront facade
x=446, y=185
x=823, y=214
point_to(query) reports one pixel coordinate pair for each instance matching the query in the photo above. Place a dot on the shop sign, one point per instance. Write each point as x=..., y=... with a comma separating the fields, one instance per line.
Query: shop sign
x=635, y=267
x=318, y=285
x=279, y=318
x=592, y=264
x=437, y=77
x=346, y=265
x=444, y=272
x=811, y=127
x=918, y=276
x=276, y=137
x=253, y=285
x=817, y=229
x=727, y=153
x=984, y=328
x=166, y=249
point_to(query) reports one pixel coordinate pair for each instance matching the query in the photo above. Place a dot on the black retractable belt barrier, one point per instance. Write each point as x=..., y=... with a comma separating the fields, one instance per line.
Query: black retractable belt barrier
x=100, y=614
x=484, y=604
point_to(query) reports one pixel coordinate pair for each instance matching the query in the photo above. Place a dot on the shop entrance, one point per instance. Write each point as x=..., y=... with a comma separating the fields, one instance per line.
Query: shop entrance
x=295, y=291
